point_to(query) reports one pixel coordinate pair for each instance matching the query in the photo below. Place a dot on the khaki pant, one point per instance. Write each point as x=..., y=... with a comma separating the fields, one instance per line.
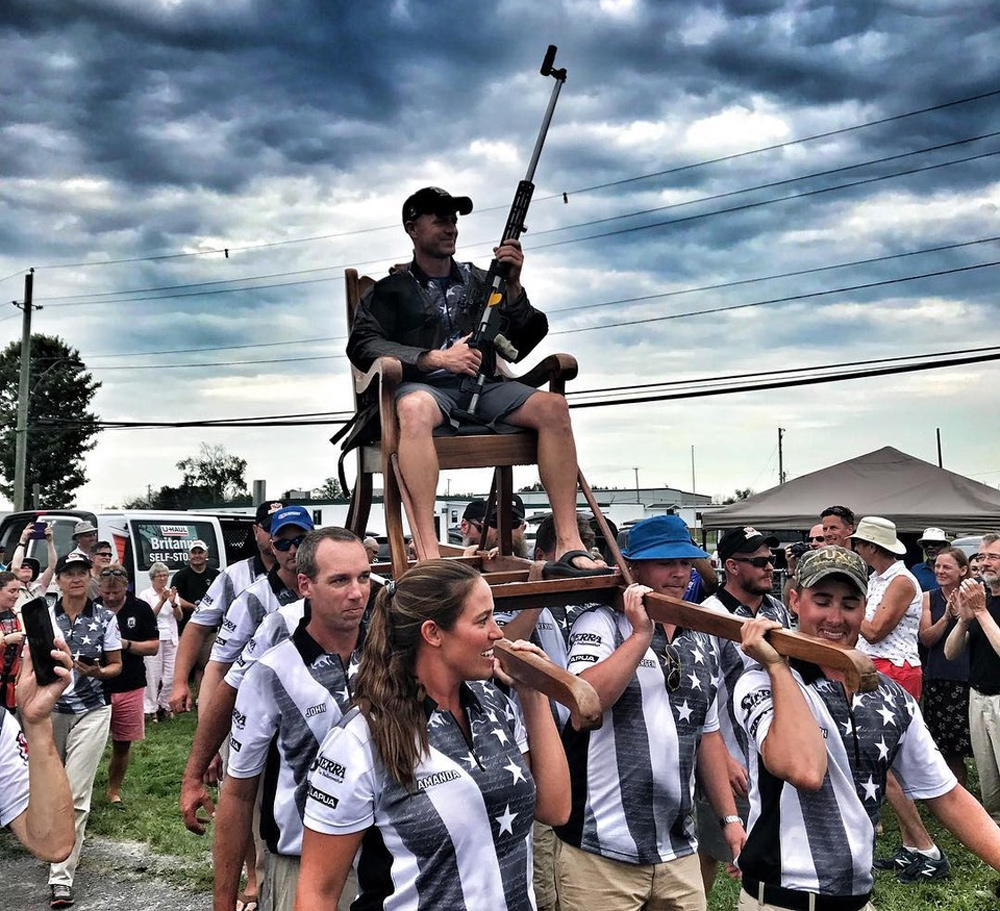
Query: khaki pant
x=588, y=882
x=749, y=903
x=80, y=741
x=281, y=879
x=544, y=867
x=984, y=732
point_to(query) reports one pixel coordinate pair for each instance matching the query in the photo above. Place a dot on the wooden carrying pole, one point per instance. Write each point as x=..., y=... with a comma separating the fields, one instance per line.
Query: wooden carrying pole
x=859, y=672
x=567, y=689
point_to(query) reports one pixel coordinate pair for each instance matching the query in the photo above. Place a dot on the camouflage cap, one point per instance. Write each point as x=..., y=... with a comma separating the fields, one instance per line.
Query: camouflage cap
x=815, y=565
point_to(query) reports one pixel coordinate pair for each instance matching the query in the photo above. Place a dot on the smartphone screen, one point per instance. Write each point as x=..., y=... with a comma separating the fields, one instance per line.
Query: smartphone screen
x=38, y=628
x=88, y=659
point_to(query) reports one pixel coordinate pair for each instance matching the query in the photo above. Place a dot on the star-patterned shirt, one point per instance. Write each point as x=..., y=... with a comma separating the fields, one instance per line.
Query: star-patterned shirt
x=94, y=632
x=286, y=705
x=461, y=837
x=821, y=841
x=633, y=779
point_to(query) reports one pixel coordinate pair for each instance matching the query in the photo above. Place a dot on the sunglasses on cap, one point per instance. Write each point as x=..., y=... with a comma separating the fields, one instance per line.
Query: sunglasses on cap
x=757, y=562
x=286, y=544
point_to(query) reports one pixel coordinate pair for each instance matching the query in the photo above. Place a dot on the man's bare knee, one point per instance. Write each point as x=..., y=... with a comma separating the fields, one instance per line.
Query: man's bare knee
x=418, y=412
x=543, y=411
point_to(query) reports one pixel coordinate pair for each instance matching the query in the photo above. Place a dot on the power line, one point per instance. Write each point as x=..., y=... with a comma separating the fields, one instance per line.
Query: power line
x=678, y=169
x=70, y=300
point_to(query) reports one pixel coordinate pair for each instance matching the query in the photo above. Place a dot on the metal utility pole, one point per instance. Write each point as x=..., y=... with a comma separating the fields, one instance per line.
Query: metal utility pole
x=940, y=463
x=636, y=470
x=781, y=457
x=21, y=430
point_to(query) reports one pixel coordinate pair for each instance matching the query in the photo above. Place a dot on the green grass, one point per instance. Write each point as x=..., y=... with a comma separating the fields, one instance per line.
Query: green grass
x=969, y=888
x=150, y=794
x=152, y=816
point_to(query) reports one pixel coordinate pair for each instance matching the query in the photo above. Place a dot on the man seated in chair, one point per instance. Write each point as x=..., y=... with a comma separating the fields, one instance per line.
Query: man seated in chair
x=423, y=315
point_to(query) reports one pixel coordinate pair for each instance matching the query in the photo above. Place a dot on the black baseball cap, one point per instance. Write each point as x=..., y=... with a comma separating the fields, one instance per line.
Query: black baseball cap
x=476, y=511
x=73, y=558
x=434, y=201
x=267, y=509
x=743, y=540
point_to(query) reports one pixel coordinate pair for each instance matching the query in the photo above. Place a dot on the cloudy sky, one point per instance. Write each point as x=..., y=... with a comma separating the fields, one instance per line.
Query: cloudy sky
x=831, y=164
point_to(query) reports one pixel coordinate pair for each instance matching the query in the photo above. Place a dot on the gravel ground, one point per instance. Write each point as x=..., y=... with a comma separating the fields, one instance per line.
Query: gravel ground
x=112, y=876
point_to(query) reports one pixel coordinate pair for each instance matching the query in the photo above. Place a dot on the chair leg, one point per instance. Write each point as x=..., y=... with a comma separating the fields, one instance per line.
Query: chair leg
x=360, y=509
x=602, y=522
x=504, y=483
x=394, y=517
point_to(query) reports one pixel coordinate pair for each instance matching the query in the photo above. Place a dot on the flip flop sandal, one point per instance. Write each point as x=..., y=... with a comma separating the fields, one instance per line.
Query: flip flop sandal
x=246, y=903
x=563, y=568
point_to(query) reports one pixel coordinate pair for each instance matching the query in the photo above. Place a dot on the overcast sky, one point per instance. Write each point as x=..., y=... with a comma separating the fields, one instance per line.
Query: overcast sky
x=705, y=149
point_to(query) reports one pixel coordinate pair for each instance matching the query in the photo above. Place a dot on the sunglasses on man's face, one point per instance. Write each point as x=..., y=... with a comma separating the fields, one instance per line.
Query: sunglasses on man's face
x=104, y=553
x=286, y=544
x=756, y=562
x=812, y=538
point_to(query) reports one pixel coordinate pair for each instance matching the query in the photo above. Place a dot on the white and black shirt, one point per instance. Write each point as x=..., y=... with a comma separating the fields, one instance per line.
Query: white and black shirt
x=821, y=841
x=461, y=838
x=259, y=599
x=13, y=770
x=285, y=707
x=223, y=591
x=733, y=661
x=274, y=628
x=633, y=779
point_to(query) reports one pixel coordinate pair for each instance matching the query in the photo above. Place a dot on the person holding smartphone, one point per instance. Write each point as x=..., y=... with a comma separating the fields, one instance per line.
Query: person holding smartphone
x=34, y=582
x=35, y=799
x=82, y=716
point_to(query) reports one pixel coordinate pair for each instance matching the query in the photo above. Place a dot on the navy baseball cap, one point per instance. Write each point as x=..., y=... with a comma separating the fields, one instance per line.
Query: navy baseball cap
x=267, y=509
x=434, y=201
x=291, y=515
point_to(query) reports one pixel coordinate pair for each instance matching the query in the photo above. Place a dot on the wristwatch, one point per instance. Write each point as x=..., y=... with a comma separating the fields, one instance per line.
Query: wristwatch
x=728, y=820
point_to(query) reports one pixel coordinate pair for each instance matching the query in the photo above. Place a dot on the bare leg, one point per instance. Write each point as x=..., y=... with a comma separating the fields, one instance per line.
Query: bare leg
x=911, y=828
x=547, y=414
x=418, y=416
x=120, y=754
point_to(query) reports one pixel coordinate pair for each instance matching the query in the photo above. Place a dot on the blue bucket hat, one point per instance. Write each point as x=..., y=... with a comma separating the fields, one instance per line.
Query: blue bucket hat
x=661, y=538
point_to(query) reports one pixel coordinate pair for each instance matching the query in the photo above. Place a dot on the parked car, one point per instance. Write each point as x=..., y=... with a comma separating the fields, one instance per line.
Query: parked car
x=139, y=537
x=970, y=544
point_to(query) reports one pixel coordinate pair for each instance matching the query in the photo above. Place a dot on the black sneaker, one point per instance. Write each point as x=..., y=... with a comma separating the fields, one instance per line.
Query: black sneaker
x=60, y=896
x=899, y=861
x=923, y=869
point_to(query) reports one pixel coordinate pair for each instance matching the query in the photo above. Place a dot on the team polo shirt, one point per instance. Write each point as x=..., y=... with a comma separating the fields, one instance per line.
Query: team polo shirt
x=461, y=839
x=274, y=628
x=252, y=605
x=94, y=632
x=285, y=707
x=733, y=661
x=13, y=769
x=633, y=778
x=821, y=841
x=223, y=591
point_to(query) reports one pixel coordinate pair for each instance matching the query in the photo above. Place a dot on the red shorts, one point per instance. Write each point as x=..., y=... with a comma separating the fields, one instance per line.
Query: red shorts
x=127, y=719
x=910, y=678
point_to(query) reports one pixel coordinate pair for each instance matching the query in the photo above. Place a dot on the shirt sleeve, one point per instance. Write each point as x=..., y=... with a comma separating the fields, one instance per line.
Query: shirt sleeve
x=255, y=722
x=591, y=640
x=238, y=626
x=112, y=635
x=272, y=630
x=342, y=785
x=919, y=766
x=13, y=771
x=753, y=705
x=213, y=606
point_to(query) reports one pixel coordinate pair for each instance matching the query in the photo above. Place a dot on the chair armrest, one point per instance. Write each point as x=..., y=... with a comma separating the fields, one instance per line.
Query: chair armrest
x=556, y=370
x=389, y=371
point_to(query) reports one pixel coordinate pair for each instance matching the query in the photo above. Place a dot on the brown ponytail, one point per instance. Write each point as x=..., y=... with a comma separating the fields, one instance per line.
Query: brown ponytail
x=387, y=692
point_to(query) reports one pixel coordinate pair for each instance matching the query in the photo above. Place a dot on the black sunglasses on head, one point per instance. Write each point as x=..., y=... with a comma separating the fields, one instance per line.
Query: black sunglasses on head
x=286, y=544
x=108, y=573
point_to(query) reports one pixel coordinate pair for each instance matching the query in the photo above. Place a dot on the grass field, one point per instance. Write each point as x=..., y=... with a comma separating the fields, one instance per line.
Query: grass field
x=151, y=816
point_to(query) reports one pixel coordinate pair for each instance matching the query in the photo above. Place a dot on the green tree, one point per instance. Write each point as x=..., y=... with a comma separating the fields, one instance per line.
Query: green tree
x=741, y=493
x=61, y=426
x=221, y=474
x=330, y=489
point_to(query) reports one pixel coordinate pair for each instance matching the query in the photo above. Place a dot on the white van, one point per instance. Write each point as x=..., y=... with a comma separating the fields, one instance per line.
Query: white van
x=139, y=537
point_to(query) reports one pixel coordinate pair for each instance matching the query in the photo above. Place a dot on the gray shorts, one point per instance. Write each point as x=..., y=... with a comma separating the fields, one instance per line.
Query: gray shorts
x=498, y=399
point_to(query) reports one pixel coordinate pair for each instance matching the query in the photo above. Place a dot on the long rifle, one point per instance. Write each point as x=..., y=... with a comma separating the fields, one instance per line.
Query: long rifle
x=486, y=334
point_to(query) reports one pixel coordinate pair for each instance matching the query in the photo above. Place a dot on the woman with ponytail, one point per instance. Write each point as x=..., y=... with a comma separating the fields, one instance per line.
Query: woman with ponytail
x=431, y=775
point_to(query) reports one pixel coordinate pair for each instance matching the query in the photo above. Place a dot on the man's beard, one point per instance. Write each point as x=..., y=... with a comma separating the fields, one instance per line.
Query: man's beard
x=992, y=579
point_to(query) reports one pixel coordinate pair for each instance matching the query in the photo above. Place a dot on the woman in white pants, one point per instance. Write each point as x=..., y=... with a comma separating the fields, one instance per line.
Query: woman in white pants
x=160, y=667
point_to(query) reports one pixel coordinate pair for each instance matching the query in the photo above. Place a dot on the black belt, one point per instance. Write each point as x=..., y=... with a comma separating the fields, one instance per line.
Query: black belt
x=802, y=901
x=985, y=691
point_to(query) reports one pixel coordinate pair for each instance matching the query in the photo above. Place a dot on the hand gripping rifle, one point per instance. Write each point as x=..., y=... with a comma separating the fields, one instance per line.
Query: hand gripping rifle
x=486, y=334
